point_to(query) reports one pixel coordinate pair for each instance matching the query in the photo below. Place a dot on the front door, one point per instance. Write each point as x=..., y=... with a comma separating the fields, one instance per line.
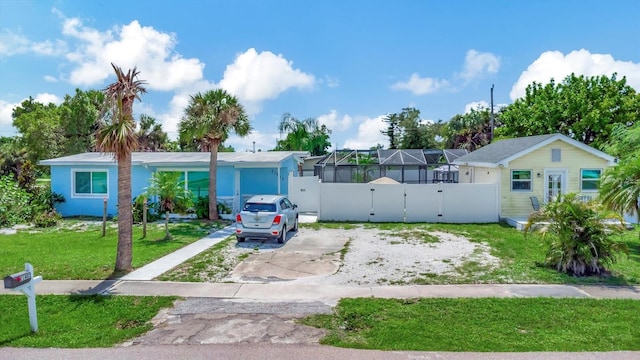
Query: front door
x=554, y=184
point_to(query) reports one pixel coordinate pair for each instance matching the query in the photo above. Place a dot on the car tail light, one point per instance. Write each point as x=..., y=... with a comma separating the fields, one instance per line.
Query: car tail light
x=238, y=219
x=276, y=220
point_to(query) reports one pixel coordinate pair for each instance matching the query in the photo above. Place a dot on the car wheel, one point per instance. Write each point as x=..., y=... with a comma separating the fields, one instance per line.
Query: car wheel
x=295, y=225
x=239, y=238
x=283, y=234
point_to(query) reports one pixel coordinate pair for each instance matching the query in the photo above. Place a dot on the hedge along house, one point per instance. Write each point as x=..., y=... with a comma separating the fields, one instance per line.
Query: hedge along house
x=85, y=180
x=532, y=170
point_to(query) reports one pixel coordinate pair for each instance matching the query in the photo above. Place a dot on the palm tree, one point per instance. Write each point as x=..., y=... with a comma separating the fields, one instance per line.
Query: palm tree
x=150, y=135
x=578, y=235
x=305, y=135
x=620, y=187
x=208, y=120
x=117, y=135
x=171, y=191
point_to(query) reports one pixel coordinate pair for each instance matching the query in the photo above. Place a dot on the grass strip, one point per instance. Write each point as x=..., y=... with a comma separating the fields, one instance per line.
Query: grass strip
x=78, y=321
x=483, y=325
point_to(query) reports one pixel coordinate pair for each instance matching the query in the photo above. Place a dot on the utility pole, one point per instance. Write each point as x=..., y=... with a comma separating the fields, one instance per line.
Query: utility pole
x=491, y=121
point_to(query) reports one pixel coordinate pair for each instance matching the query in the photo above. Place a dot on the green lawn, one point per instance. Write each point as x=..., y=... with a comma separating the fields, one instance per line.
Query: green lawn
x=77, y=321
x=485, y=324
x=74, y=251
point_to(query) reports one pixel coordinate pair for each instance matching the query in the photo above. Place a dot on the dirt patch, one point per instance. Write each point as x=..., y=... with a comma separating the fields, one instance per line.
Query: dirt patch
x=364, y=257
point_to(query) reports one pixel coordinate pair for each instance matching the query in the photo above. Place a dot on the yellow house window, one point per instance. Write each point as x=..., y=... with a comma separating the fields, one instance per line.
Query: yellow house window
x=521, y=180
x=590, y=179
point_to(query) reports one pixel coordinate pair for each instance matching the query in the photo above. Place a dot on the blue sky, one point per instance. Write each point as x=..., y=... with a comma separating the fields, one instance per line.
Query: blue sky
x=345, y=63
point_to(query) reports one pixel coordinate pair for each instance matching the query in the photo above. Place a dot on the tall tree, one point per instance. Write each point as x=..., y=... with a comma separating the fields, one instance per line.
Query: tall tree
x=117, y=135
x=583, y=108
x=406, y=130
x=79, y=115
x=303, y=135
x=209, y=119
x=39, y=127
x=469, y=131
x=151, y=137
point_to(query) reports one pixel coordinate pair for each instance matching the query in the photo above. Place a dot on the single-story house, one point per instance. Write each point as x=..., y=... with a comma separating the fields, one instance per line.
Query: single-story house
x=85, y=180
x=532, y=170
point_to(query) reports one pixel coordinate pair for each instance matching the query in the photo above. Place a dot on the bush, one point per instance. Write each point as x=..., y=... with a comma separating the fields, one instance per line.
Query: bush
x=578, y=235
x=47, y=219
x=201, y=207
x=138, y=207
x=14, y=202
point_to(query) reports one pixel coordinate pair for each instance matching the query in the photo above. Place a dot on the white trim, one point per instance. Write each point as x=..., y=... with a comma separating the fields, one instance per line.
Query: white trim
x=590, y=191
x=91, y=195
x=520, y=190
x=610, y=159
x=564, y=181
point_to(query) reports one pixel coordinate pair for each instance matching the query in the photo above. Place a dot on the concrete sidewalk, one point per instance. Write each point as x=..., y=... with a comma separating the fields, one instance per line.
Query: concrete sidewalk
x=328, y=294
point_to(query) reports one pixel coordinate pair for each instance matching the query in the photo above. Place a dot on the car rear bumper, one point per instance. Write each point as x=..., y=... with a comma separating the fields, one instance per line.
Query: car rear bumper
x=258, y=233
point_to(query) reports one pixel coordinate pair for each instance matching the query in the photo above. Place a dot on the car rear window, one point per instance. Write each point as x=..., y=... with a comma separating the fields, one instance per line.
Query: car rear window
x=259, y=207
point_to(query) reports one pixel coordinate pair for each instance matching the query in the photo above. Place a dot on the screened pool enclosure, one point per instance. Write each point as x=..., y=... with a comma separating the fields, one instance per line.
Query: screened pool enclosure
x=407, y=166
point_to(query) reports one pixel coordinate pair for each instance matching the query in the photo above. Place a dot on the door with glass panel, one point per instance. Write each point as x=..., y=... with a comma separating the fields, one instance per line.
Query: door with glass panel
x=554, y=184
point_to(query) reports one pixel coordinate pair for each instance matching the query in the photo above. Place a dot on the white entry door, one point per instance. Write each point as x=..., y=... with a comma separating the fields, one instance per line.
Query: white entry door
x=555, y=184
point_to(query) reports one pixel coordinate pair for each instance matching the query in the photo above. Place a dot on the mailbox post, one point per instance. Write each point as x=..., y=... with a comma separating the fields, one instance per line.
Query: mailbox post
x=25, y=283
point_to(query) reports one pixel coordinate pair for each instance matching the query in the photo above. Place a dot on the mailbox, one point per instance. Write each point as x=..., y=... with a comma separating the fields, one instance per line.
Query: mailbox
x=14, y=280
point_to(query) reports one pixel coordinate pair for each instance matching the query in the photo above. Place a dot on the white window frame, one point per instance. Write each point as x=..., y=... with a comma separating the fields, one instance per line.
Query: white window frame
x=582, y=179
x=511, y=180
x=90, y=195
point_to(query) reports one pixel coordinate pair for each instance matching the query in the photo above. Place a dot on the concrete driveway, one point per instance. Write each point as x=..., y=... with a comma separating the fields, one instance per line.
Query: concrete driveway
x=305, y=253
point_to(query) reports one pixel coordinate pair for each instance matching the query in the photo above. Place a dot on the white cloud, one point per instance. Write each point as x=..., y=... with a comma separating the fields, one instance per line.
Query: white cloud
x=46, y=98
x=369, y=134
x=255, y=77
x=332, y=82
x=477, y=64
x=333, y=122
x=476, y=105
x=263, y=141
x=15, y=44
x=49, y=78
x=6, y=109
x=556, y=65
x=129, y=46
x=421, y=86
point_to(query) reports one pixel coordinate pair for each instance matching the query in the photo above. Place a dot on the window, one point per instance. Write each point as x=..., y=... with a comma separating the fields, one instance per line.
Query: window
x=590, y=179
x=520, y=180
x=195, y=181
x=87, y=183
x=556, y=155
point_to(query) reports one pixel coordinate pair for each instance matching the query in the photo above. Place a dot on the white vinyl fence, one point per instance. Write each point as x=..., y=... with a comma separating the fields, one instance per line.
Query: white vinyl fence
x=443, y=202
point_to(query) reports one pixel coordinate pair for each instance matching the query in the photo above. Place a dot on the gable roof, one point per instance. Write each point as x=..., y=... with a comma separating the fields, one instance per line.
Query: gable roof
x=503, y=151
x=179, y=158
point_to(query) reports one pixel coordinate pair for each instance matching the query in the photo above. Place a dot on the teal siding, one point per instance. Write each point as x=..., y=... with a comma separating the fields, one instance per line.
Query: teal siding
x=259, y=180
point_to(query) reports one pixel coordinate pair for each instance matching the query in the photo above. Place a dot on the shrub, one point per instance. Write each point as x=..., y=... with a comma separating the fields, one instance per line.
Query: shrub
x=14, y=202
x=47, y=219
x=578, y=235
x=138, y=207
x=201, y=207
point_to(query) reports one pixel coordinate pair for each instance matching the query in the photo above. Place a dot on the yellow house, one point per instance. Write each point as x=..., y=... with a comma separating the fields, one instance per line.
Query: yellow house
x=531, y=170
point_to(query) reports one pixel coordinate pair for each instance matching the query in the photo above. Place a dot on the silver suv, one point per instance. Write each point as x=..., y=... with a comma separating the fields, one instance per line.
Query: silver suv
x=266, y=216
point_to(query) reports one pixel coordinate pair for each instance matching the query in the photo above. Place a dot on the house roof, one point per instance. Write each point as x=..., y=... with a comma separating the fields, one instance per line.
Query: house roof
x=503, y=151
x=179, y=158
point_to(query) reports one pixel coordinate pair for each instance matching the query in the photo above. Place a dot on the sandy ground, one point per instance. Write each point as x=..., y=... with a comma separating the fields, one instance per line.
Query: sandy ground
x=373, y=257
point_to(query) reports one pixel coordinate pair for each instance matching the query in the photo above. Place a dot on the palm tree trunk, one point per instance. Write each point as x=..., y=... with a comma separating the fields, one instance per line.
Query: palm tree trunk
x=213, y=170
x=166, y=225
x=125, y=216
